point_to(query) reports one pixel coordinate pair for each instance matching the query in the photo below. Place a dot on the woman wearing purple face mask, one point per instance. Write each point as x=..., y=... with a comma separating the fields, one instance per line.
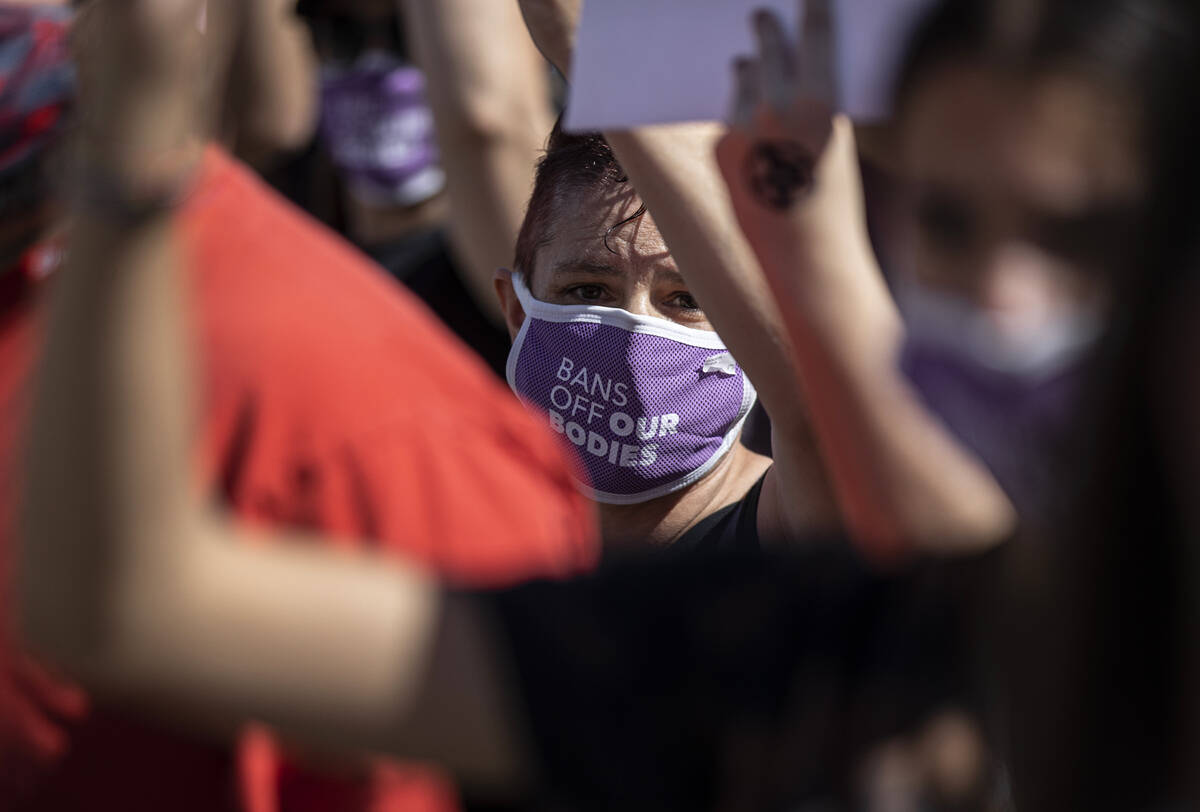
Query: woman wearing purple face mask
x=610, y=342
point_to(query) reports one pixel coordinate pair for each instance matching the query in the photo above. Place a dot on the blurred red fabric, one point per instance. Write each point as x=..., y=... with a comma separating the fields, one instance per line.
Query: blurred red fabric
x=334, y=402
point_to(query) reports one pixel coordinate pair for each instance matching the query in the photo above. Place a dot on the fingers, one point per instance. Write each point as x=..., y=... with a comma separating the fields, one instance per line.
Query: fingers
x=747, y=90
x=783, y=73
x=816, y=69
x=777, y=57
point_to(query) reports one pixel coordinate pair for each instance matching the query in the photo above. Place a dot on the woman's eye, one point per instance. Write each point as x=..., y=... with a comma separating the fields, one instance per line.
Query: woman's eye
x=684, y=301
x=587, y=293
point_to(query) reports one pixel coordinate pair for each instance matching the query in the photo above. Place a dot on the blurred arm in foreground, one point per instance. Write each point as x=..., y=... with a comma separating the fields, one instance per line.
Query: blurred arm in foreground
x=128, y=579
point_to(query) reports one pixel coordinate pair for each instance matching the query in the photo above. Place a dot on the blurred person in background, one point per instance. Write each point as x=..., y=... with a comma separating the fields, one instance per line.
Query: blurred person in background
x=324, y=387
x=1102, y=601
x=433, y=115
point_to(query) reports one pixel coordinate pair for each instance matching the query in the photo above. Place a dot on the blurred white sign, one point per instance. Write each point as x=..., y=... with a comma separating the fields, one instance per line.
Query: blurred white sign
x=662, y=61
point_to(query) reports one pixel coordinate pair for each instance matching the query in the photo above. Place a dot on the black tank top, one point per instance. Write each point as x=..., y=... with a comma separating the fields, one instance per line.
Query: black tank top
x=733, y=527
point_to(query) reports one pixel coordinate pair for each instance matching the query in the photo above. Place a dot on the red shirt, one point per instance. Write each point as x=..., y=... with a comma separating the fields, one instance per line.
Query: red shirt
x=334, y=402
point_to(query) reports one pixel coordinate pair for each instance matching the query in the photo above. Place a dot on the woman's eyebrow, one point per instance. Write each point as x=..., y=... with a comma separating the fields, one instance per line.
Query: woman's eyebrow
x=585, y=266
x=671, y=278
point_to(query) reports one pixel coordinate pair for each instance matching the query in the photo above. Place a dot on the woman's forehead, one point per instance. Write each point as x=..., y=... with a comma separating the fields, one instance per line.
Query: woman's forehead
x=599, y=229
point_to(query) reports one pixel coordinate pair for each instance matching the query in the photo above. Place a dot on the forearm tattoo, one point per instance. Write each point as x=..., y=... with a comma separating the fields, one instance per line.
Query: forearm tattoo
x=780, y=173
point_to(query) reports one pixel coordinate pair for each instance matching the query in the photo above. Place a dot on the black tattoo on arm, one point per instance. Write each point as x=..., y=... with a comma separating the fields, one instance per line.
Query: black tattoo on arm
x=780, y=173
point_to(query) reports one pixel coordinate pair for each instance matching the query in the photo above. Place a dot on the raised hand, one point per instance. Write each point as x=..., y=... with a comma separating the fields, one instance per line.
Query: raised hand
x=788, y=158
x=791, y=167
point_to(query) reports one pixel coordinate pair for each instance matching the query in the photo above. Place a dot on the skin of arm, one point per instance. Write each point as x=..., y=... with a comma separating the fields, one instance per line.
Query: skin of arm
x=273, y=103
x=125, y=578
x=901, y=479
x=673, y=169
x=553, y=24
x=489, y=92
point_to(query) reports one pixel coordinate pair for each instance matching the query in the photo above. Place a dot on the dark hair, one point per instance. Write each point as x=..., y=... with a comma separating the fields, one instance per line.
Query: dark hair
x=573, y=163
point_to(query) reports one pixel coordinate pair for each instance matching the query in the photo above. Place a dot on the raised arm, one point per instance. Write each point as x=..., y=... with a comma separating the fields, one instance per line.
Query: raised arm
x=271, y=106
x=677, y=177
x=491, y=104
x=126, y=578
x=901, y=479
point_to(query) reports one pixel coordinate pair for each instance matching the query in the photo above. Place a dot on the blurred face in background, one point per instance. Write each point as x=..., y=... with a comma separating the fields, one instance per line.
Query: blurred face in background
x=1023, y=197
x=1023, y=191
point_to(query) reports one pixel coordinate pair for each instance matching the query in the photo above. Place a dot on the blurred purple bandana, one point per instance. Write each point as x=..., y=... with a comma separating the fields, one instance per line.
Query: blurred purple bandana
x=37, y=79
x=376, y=119
x=650, y=405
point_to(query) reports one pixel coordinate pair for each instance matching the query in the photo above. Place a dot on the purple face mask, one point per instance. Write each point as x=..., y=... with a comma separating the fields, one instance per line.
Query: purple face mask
x=1009, y=398
x=377, y=122
x=650, y=405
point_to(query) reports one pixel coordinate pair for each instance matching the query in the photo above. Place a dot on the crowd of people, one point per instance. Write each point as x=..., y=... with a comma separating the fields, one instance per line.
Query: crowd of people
x=838, y=467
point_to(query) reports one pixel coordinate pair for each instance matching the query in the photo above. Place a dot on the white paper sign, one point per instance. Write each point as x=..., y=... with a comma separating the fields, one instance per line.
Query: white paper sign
x=871, y=40
x=642, y=62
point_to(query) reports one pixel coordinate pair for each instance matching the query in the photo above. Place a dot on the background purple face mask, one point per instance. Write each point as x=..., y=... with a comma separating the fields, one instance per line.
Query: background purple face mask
x=651, y=406
x=1010, y=400
x=379, y=128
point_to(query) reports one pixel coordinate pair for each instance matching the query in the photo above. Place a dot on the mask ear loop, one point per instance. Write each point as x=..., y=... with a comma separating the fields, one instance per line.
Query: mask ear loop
x=524, y=295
